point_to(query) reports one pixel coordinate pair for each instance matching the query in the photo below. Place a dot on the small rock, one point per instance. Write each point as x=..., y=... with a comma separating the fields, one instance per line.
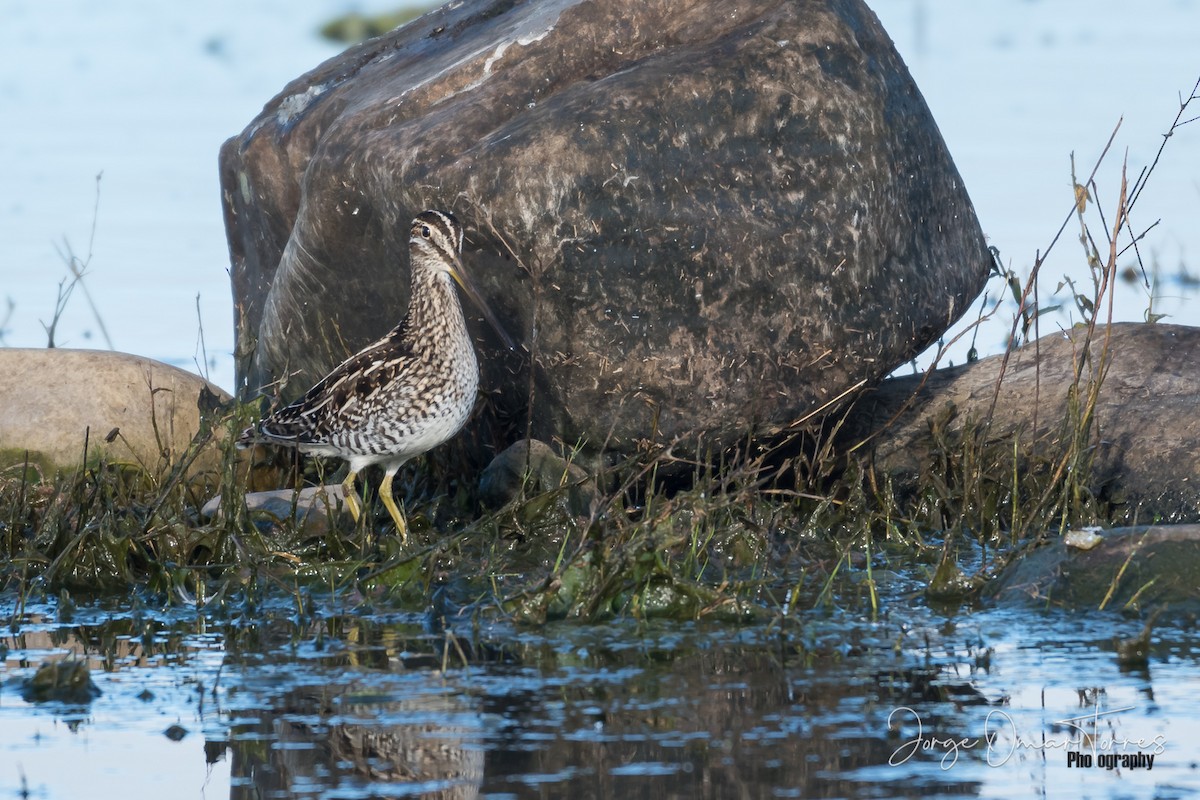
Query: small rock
x=310, y=509
x=533, y=467
x=1084, y=539
x=62, y=681
x=1134, y=652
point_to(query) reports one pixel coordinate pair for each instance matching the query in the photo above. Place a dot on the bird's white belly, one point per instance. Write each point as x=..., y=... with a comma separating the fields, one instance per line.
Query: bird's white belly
x=420, y=425
x=425, y=433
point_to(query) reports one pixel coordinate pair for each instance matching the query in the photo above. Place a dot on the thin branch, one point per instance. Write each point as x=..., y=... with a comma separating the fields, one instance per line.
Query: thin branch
x=1176, y=124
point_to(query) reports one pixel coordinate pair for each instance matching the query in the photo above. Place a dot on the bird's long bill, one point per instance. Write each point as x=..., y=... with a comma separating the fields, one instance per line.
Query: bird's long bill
x=468, y=286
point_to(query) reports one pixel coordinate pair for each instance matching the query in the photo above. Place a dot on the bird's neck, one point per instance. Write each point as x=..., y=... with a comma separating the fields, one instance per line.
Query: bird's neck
x=433, y=307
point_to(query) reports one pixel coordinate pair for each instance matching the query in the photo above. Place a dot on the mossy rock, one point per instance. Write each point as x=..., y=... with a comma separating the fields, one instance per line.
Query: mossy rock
x=67, y=681
x=1135, y=568
x=533, y=468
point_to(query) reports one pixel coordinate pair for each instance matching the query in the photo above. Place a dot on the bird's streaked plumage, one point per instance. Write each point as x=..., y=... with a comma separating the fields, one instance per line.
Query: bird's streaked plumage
x=404, y=394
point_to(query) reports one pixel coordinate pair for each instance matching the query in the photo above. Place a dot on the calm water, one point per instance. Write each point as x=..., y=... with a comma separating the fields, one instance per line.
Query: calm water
x=146, y=91
x=253, y=703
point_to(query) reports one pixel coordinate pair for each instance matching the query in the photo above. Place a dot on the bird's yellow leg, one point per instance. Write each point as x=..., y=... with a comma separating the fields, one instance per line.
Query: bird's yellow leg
x=385, y=491
x=351, y=495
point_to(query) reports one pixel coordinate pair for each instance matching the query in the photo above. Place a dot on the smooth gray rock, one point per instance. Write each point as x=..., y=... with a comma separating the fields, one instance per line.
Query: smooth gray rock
x=1147, y=415
x=311, y=510
x=700, y=218
x=127, y=408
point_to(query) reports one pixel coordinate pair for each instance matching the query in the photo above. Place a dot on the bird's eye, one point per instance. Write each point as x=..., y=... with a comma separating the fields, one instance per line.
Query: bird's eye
x=425, y=231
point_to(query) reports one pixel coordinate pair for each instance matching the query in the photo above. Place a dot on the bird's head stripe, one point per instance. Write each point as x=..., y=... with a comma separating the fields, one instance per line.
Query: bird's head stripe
x=447, y=238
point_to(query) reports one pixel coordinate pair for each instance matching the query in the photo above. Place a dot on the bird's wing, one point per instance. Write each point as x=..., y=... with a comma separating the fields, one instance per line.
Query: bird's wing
x=335, y=398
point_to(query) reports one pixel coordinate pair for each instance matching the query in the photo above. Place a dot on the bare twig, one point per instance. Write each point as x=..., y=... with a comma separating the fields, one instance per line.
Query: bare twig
x=8, y=312
x=202, y=365
x=78, y=268
x=1140, y=184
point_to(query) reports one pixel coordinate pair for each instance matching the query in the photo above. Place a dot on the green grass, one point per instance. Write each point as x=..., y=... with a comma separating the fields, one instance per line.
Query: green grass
x=750, y=540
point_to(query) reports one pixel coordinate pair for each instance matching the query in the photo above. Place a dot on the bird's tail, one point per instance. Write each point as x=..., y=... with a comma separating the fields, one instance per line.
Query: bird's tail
x=272, y=431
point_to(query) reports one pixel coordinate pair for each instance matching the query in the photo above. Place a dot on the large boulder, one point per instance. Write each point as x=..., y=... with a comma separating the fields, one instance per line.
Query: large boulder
x=701, y=218
x=1146, y=419
x=56, y=405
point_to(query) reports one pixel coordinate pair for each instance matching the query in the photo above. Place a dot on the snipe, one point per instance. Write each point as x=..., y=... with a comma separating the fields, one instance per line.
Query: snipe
x=403, y=395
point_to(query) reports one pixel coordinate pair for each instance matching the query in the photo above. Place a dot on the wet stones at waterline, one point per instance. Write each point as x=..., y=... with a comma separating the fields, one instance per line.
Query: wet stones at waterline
x=1136, y=568
x=700, y=218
